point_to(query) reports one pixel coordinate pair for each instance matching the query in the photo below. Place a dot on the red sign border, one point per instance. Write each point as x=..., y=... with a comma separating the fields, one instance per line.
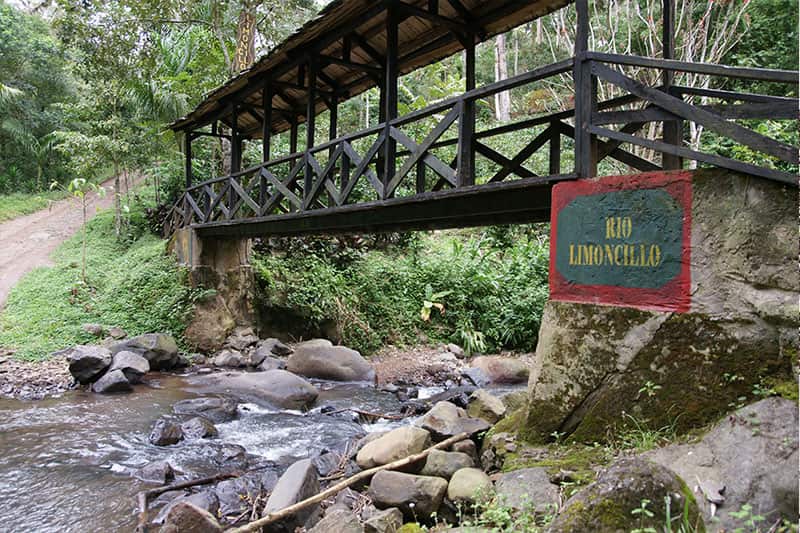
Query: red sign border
x=675, y=294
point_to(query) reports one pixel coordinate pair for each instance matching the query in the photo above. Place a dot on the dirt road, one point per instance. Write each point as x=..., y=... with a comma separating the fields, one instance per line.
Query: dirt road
x=27, y=242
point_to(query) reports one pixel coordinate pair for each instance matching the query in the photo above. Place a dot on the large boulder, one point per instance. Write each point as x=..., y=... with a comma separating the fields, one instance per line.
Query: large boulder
x=470, y=485
x=387, y=521
x=242, y=337
x=275, y=387
x=87, y=363
x=112, y=381
x=198, y=427
x=608, y=504
x=528, y=488
x=749, y=457
x=185, y=516
x=317, y=359
x=134, y=366
x=165, y=433
x=445, y=420
x=339, y=520
x=229, y=358
x=444, y=464
x=394, y=445
x=484, y=405
x=272, y=346
x=217, y=410
x=205, y=500
x=299, y=482
x=160, y=349
x=160, y=472
x=236, y=495
x=595, y=362
x=507, y=370
x=416, y=496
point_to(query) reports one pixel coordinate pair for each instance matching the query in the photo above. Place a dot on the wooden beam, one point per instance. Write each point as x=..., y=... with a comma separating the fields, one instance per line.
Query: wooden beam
x=585, y=96
x=330, y=60
x=465, y=167
x=772, y=110
x=308, y=182
x=236, y=143
x=672, y=129
x=709, y=120
x=390, y=94
x=266, y=123
x=187, y=144
x=458, y=27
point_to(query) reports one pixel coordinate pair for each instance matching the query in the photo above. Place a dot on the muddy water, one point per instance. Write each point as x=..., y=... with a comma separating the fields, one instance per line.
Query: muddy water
x=65, y=462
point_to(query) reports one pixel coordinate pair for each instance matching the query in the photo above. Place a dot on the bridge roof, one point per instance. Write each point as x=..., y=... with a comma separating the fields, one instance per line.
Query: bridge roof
x=423, y=38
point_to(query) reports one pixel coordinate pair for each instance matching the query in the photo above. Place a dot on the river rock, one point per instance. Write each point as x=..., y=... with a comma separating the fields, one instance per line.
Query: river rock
x=237, y=494
x=230, y=455
x=276, y=387
x=217, y=410
x=476, y=376
x=87, y=363
x=753, y=454
x=187, y=517
x=486, y=406
x=416, y=496
x=160, y=472
x=96, y=330
x=112, y=381
x=271, y=363
x=241, y=338
x=299, y=482
x=468, y=447
x=455, y=395
x=229, y=358
x=394, y=445
x=160, y=349
x=528, y=488
x=205, y=500
x=507, y=370
x=272, y=346
x=456, y=350
x=444, y=464
x=620, y=490
x=470, y=485
x=315, y=359
x=199, y=428
x=445, y=420
x=387, y=521
x=338, y=520
x=165, y=433
x=134, y=366
x=117, y=333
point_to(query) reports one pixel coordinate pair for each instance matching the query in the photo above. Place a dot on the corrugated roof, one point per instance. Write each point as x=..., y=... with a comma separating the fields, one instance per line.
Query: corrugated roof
x=421, y=40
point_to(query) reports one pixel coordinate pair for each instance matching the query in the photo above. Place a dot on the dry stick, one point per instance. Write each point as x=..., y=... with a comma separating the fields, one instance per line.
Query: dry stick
x=292, y=509
x=144, y=496
x=368, y=413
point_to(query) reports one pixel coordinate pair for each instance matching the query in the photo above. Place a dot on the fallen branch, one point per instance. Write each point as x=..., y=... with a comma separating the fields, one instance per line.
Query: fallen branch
x=368, y=413
x=292, y=509
x=145, y=496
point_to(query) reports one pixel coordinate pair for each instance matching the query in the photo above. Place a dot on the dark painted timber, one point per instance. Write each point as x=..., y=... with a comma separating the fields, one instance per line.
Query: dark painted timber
x=520, y=201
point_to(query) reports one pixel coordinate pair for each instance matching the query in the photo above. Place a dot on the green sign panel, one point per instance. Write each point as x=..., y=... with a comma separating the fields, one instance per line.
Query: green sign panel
x=629, y=238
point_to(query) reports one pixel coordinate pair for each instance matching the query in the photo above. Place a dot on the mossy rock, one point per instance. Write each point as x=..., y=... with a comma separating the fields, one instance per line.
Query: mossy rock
x=615, y=502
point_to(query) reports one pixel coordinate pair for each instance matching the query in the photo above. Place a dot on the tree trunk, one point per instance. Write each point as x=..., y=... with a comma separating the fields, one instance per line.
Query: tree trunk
x=117, y=204
x=502, y=100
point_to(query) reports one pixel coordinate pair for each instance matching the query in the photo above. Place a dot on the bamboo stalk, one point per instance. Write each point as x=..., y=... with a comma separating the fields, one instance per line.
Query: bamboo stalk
x=292, y=509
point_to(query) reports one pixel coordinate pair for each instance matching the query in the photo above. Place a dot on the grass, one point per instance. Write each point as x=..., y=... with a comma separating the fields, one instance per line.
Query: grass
x=131, y=283
x=18, y=204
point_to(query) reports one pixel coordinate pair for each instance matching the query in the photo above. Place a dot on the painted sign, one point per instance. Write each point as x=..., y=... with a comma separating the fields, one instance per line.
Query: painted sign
x=623, y=240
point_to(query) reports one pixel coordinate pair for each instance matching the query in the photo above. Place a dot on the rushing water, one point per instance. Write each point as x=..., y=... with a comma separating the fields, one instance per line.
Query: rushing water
x=65, y=462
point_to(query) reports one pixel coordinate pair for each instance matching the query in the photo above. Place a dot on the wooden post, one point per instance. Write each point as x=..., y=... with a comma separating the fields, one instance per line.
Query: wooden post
x=266, y=126
x=293, y=136
x=333, y=126
x=308, y=182
x=466, y=123
x=672, y=128
x=555, y=150
x=188, y=153
x=585, y=97
x=236, y=143
x=390, y=89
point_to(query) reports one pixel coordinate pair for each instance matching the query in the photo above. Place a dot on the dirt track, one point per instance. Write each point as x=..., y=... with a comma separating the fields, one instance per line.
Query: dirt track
x=27, y=242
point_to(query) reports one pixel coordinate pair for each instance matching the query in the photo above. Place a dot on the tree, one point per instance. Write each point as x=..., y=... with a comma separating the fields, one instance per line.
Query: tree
x=79, y=188
x=502, y=100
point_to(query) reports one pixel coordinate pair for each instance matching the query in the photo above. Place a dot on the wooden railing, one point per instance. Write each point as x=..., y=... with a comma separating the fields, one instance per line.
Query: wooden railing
x=354, y=169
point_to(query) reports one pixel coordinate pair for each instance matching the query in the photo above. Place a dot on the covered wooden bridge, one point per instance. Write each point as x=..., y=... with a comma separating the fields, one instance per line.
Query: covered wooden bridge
x=386, y=178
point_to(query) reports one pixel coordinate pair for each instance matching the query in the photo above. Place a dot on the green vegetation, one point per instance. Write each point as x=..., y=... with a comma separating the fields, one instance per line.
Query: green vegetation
x=486, y=288
x=130, y=283
x=18, y=204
